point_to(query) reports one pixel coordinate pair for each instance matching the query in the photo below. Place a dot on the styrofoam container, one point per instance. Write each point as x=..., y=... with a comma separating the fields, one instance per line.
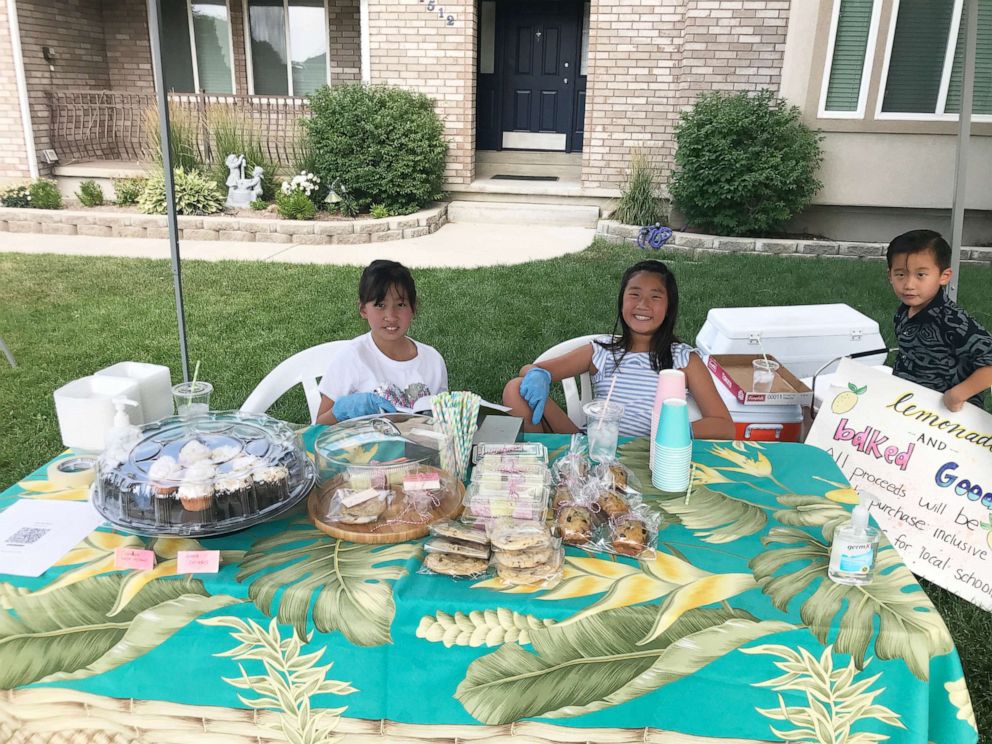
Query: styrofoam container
x=802, y=337
x=757, y=423
x=154, y=388
x=85, y=409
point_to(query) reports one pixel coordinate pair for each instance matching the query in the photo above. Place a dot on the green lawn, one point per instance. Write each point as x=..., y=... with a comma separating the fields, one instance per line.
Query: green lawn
x=65, y=317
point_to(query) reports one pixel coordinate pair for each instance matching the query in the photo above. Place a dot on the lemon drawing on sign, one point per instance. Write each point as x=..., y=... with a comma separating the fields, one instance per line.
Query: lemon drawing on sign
x=845, y=401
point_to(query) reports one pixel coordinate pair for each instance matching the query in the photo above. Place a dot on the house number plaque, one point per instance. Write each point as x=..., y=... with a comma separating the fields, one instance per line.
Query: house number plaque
x=431, y=5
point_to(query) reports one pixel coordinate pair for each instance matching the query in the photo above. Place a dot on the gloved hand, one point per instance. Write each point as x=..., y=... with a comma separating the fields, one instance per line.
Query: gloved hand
x=361, y=404
x=534, y=389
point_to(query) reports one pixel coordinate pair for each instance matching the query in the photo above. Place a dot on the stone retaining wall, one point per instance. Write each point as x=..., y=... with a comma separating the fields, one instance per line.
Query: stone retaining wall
x=695, y=244
x=221, y=227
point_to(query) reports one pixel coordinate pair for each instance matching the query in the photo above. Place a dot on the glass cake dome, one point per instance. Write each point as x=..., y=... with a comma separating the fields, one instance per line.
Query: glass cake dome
x=216, y=473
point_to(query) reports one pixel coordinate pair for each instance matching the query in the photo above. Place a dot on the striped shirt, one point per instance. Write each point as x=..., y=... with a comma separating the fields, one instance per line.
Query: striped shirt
x=636, y=383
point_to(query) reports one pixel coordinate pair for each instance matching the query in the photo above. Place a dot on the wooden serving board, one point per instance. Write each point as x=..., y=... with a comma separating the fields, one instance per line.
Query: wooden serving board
x=407, y=527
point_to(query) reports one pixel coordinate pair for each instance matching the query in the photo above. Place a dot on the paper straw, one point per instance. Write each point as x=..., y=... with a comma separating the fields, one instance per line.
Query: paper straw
x=196, y=372
x=609, y=393
x=692, y=474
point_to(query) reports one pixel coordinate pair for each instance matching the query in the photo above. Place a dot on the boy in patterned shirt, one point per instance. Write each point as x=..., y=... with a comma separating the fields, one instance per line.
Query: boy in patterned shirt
x=940, y=345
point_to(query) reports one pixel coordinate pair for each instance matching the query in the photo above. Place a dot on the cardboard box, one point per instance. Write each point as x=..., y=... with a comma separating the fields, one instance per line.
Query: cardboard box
x=735, y=372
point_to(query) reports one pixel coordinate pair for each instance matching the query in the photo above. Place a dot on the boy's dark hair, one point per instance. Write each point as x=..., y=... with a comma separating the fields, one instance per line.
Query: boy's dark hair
x=918, y=241
x=380, y=275
x=664, y=337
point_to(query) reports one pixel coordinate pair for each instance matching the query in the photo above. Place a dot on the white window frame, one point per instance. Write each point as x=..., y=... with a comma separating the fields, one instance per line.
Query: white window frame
x=249, y=66
x=866, y=70
x=945, y=76
x=192, y=50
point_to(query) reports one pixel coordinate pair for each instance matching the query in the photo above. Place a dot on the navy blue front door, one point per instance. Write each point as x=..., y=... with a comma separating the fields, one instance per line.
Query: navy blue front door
x=535, y=86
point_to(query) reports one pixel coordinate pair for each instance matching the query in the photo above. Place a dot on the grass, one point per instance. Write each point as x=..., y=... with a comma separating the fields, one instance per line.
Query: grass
x=64, y=317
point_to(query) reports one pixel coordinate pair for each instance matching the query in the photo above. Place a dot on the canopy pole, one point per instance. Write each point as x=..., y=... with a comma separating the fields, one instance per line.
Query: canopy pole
x=970, y=19
x=154, y=16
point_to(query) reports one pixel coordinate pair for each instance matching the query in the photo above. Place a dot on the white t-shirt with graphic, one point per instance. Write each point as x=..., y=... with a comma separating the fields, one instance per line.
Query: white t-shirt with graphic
x=359, y=367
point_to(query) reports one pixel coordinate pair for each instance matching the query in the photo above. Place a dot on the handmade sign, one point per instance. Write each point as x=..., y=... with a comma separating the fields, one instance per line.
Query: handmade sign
x=928, y=469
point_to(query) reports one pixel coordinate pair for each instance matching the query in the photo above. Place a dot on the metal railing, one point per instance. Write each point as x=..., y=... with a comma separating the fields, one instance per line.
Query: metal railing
x=113, y=125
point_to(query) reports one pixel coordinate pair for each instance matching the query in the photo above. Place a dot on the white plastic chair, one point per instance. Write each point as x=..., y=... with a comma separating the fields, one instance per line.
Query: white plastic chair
x=303, y=368
x=578, y=390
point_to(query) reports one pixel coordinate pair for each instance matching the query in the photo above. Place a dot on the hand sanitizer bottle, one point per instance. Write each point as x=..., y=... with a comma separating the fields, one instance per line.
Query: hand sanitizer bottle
x=122, y=436
x=855, y=546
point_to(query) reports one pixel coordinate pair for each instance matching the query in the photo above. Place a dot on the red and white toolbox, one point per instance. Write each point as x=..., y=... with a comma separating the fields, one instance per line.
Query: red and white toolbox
x=801, y=337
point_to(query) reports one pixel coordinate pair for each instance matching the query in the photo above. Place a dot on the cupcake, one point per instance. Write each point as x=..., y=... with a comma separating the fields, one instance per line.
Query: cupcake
x=197, y=490
x=271, y=485
x=136, y=501
x=233, y=495
x=193, y=452
x=164, y=476
x=222, y=454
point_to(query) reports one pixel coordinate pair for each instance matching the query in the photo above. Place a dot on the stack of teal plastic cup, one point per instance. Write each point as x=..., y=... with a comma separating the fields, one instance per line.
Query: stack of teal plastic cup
x=672, y=447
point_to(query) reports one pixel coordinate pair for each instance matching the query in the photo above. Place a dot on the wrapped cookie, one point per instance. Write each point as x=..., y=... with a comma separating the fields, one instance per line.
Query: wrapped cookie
x=348, y=506
x=615, y=476
x=573, y=468
x=452, y=564
x=633, y=534
x=505, y=534
x=544, y=575
x=457, y=547
x=453, y=530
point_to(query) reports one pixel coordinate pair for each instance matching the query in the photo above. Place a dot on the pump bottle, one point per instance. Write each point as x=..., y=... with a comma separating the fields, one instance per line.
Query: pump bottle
x=123, y=435
x=854, y=549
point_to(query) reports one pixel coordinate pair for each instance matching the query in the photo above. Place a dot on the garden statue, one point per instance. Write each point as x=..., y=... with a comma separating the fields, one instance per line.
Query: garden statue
x=241, y=191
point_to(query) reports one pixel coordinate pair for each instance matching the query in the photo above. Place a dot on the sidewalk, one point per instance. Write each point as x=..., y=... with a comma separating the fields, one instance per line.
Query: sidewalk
x=462, y=245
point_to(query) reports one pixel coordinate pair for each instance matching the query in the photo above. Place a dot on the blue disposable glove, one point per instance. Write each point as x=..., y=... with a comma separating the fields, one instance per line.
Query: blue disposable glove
x=534, y=389
x=361, y=404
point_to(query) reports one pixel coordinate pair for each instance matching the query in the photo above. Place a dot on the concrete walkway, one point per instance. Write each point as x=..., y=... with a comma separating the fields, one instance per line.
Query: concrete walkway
x=463, y=245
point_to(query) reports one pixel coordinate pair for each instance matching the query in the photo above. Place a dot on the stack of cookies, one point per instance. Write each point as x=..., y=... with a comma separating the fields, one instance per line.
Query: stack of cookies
x=525, y=553
x=456, y=550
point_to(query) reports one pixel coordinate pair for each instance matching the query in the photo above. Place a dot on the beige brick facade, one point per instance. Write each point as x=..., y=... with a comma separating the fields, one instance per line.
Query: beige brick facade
x=649, y=59
x=412, y=47
x=13, y=155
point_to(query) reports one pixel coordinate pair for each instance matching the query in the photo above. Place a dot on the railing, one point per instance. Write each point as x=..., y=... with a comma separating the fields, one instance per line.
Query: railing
x=112, y=125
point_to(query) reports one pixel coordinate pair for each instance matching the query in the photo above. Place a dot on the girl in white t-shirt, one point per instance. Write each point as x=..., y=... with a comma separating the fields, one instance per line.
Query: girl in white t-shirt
x=384, y=368
x=643, y=343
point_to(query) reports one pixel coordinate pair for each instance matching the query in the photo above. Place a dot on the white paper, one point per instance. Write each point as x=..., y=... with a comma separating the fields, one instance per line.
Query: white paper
x=34, y=534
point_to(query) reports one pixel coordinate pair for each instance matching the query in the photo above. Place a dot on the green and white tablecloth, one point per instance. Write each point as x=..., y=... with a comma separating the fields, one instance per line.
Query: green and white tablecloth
x=733, y=631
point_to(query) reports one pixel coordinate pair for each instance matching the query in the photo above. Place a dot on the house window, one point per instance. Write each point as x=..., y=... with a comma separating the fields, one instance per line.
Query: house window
x=852, y=32
x=197, y=37
x=924, y=68
x=287, y=41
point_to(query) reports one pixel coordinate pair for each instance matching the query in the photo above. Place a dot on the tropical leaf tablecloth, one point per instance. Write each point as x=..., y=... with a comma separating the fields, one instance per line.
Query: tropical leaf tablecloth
x=733, y=632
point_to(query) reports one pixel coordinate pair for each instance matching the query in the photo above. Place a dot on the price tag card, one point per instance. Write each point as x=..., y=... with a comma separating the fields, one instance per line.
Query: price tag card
x=422, y=482
x=351, y=498
x=198, y=561
x=136, y=558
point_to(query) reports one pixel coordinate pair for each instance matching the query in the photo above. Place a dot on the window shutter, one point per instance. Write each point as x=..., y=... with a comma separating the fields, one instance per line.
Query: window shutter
x=267, y=27
x=211, y=29
x=177, y=63
x=982, y=102
x=917, y=60
x=850, y=46
x=308, y=45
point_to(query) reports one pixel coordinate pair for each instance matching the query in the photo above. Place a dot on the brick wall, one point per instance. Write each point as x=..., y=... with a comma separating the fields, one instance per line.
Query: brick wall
x=413, y=48
x=125, y=32
x=13, y=159
x=74, y=29
x=345, y=46
x=649, y=59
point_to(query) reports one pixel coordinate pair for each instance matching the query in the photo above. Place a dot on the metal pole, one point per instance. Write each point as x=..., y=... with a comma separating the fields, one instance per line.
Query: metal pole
x=970, y=19
x=154, y=16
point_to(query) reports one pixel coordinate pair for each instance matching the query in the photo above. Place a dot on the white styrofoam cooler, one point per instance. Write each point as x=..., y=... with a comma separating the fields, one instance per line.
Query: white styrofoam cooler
x=802, y=337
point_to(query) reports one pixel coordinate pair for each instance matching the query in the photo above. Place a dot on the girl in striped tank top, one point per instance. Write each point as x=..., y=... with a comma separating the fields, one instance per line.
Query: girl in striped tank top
x=643, y=343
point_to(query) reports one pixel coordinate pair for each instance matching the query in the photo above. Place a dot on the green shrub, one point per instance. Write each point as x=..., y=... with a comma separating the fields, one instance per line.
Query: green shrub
x=259, y=205
x=195, y=194
x=183, y=138
x=232, y=134
x=639, y=204
x=128, y=190
x=378, y=211
x=745, y=164
x=45, y=194
x=295, y=205
x=386, y=144
x=16, y=196
x=90, y=194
